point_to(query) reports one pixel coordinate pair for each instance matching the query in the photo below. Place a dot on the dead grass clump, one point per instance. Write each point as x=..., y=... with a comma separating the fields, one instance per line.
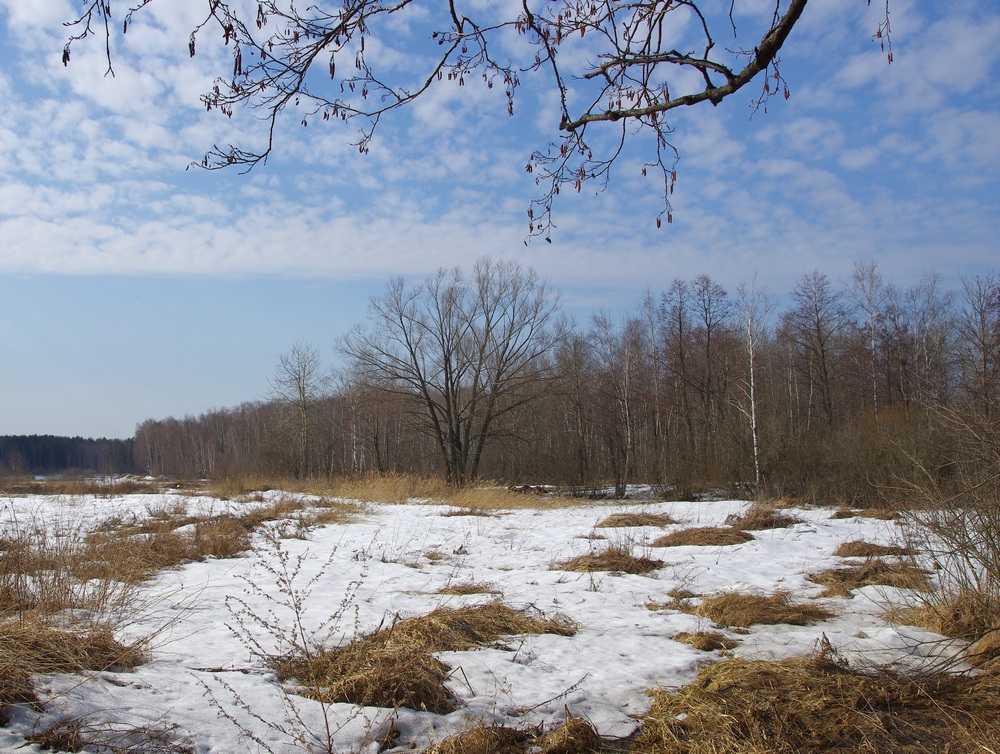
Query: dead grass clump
x=706, y=641
x=614, y=559
x=963, y=616
x=469, y=588
x=759, y=517
x=636, y=519
x=883, y=514
x=396, y=667
x=745, y=610
x=704, y=536
x=860, y=549
x=29, y=645
x=809, y=706
x=468, y=512
x=840, y=581
x=483, y=739
x=575, y=736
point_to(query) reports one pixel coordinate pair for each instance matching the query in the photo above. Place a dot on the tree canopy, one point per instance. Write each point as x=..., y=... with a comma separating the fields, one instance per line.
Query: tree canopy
x=623, y=65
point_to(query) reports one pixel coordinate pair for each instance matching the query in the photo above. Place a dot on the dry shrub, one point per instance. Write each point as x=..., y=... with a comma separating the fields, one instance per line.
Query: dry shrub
x=395, y=667
x=575, y=736
x=636, y=519
x=483, y=739
x=860, y=549
x=744, y=610
x=704, y=536
x=470, y=588
x=618, y=559
x=760, y=516
x=840, y=581
x=883, y=514
x=706, y=641
x=809, y=706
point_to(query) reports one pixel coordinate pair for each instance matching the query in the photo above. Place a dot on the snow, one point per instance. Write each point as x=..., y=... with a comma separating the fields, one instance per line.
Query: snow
x=206, y=685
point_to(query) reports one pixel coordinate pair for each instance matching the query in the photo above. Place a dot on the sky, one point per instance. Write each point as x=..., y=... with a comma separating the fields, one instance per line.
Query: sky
x=136, y=288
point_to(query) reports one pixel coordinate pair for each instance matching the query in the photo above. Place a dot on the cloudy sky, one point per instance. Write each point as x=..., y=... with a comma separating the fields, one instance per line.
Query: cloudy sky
x=136, y=288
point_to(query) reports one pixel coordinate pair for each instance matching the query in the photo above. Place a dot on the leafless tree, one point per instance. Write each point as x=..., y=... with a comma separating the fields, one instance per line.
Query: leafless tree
x=299, y=381
x=754, y=310
x=979, y=330
x=464, y=351
x=624, y=64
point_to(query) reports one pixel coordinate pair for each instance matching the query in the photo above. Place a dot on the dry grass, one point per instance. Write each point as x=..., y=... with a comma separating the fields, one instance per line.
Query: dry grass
x=883, y=514
x=760, y=516
x=468, y=512
x=395, y=667
x=635, y=519
x=704, y=536
x=619, y=559
x=964, y=616
x=575, y=736
x=100, y=487
x=813, y=706
x=30, y=645
x=840, y=581
x=706, y=641
x=469, y=588
x=860, y=549
x=483, y=739
x=745, y=610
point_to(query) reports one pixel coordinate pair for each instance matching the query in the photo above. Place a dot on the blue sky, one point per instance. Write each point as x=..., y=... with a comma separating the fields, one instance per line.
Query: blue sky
x=134, y=288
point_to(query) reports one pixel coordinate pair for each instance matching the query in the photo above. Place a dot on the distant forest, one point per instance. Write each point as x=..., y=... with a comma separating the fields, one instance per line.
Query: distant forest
x=848, y=390
x=50, y=454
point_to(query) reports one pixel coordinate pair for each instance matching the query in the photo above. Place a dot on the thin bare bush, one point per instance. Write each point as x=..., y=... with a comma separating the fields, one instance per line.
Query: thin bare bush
x=703, y=536
x=839, y=582
x=617, y=559
x=395, y=666
x=816, y=705
x=860, y=549
x=83, y=735
x=706, y=641
x=745, y=610
x=635, y=519
x=761, y=516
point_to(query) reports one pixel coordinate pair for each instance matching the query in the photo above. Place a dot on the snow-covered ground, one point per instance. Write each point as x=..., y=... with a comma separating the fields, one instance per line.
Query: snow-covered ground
x=205, y=684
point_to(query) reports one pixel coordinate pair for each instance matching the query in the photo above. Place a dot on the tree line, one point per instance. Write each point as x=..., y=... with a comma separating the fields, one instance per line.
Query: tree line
x=836, y=394
x=49, y=454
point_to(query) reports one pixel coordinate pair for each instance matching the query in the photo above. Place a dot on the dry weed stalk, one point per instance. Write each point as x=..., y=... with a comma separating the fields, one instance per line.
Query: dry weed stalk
x=815, y=705
x=704, y=536
x=745, y=610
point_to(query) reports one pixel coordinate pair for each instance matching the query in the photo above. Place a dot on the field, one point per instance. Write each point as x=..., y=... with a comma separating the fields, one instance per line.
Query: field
x=393, y=627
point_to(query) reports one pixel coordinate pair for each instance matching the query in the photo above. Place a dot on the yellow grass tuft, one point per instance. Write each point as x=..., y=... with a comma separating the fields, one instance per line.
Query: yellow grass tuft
x=745, y=610
x=618, y=559
x=760, y=516
x=575, y=736
x=860, y=549
x=840, y=581
x=635, y=519
x=395, y=667
x=469, y=588
x=703, y=536
x=814, y=706
x=483, y=739
x=706, y=641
